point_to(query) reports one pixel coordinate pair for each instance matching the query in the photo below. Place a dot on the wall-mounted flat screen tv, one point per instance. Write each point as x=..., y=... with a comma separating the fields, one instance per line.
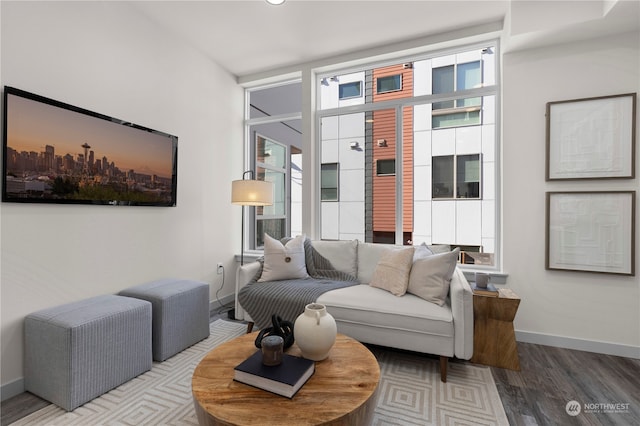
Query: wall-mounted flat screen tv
x=58, y=153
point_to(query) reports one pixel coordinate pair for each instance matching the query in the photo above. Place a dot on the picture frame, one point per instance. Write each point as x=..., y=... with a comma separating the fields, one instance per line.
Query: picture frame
x=591, y=138
x=591, y=231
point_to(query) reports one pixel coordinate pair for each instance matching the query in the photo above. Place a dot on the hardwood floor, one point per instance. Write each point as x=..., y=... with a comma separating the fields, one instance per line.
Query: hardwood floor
x=537, y=395
x=606, y=387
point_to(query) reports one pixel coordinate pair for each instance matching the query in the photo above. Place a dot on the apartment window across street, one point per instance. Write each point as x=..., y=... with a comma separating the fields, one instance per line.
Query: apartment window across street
x=329, y=182
x=386, y=167
x=350, y=90
x=442, y=179
x=425, y=170
x=452, y=78
x=456, y=176
x=390, y=83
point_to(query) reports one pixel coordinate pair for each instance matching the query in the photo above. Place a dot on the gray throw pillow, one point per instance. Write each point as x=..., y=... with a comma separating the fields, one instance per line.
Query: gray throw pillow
x=430, y=276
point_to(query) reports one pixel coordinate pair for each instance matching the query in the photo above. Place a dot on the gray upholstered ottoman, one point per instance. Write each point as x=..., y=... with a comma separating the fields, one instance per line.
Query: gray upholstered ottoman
x=78, y=351
x=180, y=313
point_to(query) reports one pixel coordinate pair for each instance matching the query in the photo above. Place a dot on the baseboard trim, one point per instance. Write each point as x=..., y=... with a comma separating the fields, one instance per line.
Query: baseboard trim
x=607, y=348
x=11, y=389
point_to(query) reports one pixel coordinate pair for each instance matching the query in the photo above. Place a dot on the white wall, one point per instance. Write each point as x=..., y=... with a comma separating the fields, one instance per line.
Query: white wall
x=594, y=311
x=105, y=57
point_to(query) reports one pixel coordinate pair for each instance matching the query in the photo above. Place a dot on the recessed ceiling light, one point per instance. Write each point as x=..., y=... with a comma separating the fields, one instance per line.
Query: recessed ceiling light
x=275, y=2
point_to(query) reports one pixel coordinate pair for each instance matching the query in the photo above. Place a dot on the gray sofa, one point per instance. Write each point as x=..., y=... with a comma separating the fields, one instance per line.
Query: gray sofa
x=374, y=315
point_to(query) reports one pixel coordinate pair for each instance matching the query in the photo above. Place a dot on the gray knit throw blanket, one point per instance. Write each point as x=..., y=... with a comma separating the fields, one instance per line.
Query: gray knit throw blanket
x=288, y=298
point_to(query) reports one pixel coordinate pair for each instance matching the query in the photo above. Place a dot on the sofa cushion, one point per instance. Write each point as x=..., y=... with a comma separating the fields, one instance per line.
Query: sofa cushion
x=343, y=255
x=431, y=275
x=283, y=261
x=392, y=271
x=363, y=304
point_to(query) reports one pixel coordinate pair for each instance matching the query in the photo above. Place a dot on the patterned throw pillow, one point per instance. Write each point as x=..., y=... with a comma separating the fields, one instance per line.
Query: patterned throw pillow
x=283, y=261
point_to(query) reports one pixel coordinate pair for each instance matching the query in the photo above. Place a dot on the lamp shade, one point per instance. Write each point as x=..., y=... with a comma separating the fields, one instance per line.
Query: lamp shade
x=251, y=192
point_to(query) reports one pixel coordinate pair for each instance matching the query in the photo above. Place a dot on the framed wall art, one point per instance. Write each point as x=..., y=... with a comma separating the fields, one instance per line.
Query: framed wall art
x=591, y=138
x=591, y=231
x=59, y=153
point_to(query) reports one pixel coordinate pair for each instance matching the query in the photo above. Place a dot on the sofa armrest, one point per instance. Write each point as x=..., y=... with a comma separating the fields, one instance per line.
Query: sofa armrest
x=244, y=274
x=462, y=311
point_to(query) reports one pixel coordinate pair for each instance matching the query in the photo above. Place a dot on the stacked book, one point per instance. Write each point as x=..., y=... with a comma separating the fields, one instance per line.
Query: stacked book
x=284, y=379
x=489, y=290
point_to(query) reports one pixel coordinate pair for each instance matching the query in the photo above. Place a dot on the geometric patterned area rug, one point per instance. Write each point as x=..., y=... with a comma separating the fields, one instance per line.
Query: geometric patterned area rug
x=410, y=392
x=161, y=396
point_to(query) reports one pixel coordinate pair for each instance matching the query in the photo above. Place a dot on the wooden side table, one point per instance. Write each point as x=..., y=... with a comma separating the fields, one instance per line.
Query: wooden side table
x=494, y=339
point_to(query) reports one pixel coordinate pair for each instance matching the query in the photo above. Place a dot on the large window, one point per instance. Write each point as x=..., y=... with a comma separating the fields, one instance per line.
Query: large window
x=425, y=167
x=404, y=153
x=274, y=136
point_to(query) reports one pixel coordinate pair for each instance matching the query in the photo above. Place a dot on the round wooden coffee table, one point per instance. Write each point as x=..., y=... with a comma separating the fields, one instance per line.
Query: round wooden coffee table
x=340, y=392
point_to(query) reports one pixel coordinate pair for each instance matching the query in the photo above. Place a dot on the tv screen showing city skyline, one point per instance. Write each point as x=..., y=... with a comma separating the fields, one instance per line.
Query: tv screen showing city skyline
x=58, y=153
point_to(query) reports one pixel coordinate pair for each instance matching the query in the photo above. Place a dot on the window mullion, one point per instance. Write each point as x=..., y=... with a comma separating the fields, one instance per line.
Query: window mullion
x=274, y=119
x=455, y=176
x=399, y=176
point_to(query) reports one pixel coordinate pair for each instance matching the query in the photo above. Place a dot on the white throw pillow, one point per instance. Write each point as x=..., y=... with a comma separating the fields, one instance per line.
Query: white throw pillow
x=283, y=262
x=430, y=277
x=392, y=271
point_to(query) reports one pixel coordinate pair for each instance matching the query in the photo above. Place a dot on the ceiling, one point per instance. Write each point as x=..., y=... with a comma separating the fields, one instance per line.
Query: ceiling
x=249, y=36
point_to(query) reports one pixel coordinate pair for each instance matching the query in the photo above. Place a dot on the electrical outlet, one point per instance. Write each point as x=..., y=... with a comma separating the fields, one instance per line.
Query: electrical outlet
x=220, y=268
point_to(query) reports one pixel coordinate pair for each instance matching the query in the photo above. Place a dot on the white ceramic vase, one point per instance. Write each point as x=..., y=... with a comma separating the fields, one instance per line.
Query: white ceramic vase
x=315, y=332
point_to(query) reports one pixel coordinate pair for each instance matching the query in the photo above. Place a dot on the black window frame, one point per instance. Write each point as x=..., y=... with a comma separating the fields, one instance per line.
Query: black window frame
x=350, y=83
x=385, y=161
x=455, y=192
x=387, y=78
x=323, y=188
